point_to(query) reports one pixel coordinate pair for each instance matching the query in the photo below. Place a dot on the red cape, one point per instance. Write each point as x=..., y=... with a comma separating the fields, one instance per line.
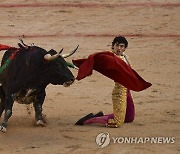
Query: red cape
x=112, y=67
x=5, y=47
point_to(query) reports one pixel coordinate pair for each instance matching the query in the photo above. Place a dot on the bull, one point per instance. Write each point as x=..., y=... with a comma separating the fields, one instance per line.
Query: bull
x=27, y=76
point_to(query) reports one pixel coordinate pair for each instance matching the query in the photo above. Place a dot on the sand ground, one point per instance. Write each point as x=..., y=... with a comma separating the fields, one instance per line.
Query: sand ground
x=152, y=29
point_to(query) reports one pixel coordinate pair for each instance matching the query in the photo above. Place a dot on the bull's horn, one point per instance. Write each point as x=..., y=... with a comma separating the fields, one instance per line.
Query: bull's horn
x=50, y=57
x=60, y=51
x=71, y=53
x=23, y=43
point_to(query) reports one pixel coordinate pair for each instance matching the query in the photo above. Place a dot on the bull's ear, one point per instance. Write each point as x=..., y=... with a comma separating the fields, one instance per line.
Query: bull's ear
x=52, y=52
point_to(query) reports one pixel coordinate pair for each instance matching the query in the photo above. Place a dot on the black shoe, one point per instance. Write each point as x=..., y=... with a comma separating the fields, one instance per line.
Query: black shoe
x=83, y=119
x=99, y=114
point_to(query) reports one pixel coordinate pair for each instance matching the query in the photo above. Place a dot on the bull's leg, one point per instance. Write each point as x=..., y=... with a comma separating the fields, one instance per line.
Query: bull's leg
x=8, y=112
x=2, y=99
x=38, y=108
x=2, y=106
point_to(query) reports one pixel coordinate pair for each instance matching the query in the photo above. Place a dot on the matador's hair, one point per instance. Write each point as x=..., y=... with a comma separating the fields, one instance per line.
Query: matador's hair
x=120, y=39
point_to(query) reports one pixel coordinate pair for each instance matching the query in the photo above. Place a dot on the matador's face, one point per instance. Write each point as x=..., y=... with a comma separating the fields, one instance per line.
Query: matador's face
x=119, y=48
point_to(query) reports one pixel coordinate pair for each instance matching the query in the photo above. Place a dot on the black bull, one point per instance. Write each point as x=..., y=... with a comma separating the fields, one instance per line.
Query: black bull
x=27, y=76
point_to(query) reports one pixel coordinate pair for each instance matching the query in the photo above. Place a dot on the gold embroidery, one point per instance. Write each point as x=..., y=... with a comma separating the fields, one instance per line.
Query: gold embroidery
x=119, y=103
x=111, y=123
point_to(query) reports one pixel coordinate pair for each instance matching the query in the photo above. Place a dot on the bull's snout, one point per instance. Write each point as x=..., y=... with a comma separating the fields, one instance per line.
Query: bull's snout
x=72, y=79
x=68, y=83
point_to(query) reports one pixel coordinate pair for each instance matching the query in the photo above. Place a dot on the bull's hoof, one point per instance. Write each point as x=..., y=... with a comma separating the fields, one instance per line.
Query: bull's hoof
x=3, y=129
x=40, y=123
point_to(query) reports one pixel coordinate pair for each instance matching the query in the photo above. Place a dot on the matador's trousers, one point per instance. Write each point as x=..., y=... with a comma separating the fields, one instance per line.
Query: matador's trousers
x=123, y=108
